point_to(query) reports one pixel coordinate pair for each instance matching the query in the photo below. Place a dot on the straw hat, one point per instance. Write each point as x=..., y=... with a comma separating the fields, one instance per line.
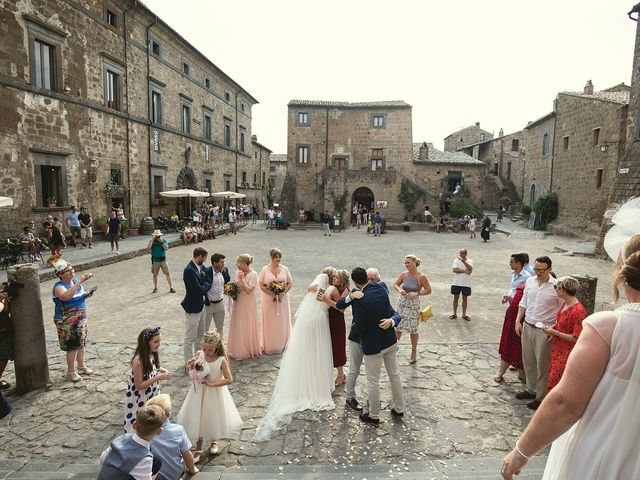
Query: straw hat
x=156, y=233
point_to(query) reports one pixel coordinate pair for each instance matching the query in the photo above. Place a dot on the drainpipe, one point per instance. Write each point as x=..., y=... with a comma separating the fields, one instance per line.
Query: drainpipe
x=553, y=153
x=237, y=145
x=155, y=20
x=126, y=89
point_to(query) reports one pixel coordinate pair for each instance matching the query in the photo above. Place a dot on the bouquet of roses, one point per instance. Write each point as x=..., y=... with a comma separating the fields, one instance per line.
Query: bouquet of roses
x=199, y=370
x=231, y=289
x=278, y=288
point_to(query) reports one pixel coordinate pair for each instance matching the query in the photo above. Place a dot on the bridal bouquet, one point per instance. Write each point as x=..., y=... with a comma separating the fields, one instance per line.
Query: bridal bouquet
x=231, y=289
x=278, y=288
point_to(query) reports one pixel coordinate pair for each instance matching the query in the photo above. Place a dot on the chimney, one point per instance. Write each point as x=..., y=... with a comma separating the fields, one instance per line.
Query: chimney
x=501, y=133
x=477, y=124
x=254, y=138
x=588, y=88
x=424, y=152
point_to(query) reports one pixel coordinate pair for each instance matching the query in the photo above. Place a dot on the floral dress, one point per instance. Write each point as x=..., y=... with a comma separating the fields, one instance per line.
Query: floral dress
x=135, y=399
x=569, y=321
x=409, y=308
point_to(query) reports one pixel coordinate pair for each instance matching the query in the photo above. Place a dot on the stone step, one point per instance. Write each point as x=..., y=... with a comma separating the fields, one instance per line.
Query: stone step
x=458, y=469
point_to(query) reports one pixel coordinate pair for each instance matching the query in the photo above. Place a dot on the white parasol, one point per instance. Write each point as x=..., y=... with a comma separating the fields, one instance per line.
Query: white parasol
x=183, y=193
x=228, y=195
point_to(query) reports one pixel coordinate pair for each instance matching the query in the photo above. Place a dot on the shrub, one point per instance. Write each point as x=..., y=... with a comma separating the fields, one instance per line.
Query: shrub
x=546, y=208
x=461, y=207
x=526, y=210
x=409, y=195
x=506, y=201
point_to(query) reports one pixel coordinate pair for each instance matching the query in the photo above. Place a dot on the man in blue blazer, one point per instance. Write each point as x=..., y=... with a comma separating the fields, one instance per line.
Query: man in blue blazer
x=196, y=285
x=373, y=318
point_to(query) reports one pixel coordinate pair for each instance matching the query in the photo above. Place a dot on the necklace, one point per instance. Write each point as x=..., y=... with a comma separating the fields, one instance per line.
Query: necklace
x=634, y=307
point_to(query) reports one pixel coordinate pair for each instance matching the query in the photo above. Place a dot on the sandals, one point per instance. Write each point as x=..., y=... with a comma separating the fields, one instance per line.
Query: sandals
x=86, y=370
x=498, y=378
x=452, y=317
x=74, y=377
x=340, y=379
x=467, y=318
x=197, y=455
x=4, y=385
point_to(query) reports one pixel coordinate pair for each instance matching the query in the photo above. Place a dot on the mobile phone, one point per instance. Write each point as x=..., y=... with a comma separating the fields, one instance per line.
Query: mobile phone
x=93, y=290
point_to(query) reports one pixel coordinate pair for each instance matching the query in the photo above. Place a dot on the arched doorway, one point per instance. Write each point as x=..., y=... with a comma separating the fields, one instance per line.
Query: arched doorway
x=532, y=194
x=363, y=196
x=186, y=179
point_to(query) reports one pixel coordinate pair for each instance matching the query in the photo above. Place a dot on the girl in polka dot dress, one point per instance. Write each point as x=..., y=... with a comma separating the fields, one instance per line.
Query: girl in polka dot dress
x=144, y=381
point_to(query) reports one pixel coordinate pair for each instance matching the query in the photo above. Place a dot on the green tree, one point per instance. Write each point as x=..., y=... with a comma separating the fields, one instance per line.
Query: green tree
x=340, y=203
x=546, y=208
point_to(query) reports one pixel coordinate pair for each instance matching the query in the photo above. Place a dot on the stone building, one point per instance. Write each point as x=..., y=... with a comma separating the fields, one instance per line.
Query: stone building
x=466, y=136
x=103, y=102
x=253, y=180
x=277, y=174
x=362, y=153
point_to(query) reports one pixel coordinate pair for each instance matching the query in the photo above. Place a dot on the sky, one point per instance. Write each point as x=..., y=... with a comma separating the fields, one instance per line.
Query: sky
x=457, y=62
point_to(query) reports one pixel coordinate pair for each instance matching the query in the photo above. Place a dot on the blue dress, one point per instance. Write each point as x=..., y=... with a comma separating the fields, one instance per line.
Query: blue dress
x=135, y=399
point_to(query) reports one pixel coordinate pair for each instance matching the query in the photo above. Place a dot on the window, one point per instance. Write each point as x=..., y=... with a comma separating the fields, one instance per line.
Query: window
x=113, y=85
x=378, y=120
x=208, y=184
x=255, y=178
x=227, y=183
x=565, y=143
x=264, y=177
x=115, y=176
x=45, y=56
x=545, y=145
x=227, y=132
x=185, y=116
x=482, y=137
x=44, y=61
x=207, y=82
x=51, y=180
x=244, y=177
x=377, y=164
x=155, y=48
x=227, y=96
x=303, y=119
x=515, y=145
x=302, y=154
x=207, y=123
x=156, y=106
x=340, y=163
x=242, y=107
x=454, y=178
x=599, y=178
x=495, y=169
x=377, y=152
x=243, y=134
x=158, y=186
x=595, y=137
x=112, y=18
x=186, y=68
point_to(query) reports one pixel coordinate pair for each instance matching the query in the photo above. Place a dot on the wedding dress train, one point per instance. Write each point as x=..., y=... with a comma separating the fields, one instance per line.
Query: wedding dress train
x=305, y=380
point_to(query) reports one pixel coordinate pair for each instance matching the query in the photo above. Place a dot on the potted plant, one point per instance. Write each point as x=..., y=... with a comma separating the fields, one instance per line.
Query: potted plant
x=101, y=223
x=124, y=228
x=51, y=202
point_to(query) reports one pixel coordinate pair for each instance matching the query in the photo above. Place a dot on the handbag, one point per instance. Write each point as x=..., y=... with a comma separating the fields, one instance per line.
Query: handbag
x=426, y=313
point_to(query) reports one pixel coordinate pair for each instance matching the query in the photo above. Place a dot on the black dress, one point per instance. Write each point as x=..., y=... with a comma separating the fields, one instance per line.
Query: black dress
x=486, y=229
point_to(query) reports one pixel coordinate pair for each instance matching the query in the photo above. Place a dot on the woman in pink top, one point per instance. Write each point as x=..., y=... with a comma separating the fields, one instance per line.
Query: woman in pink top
x=244, y=330
x=276, y=312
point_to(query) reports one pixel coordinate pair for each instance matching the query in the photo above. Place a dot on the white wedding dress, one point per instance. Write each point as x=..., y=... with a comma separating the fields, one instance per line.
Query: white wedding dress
x=305, y=380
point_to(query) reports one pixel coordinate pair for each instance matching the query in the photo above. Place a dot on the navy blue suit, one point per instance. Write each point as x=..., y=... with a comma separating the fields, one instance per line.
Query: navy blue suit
x=367, y=313
x=196, y=285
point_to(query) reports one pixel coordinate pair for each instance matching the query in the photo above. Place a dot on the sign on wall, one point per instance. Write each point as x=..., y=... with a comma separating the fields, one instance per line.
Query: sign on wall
x=206, y=153
x=381, y=204
x=156, y=140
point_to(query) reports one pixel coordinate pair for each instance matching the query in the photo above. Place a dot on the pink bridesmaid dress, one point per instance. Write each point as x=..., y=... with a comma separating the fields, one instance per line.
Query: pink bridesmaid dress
x=276, y=315
x=244, y=331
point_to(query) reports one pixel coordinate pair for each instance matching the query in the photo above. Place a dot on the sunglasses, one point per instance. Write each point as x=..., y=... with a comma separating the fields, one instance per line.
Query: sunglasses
x=540, y=270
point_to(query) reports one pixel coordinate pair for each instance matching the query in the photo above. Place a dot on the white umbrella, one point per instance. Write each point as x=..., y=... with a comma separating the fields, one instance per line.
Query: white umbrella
x=230, y=195
x=185, y=192
x=6, y=202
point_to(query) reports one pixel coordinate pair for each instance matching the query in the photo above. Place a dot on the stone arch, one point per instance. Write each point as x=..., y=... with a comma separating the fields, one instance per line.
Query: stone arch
x=187, y=179
x=532, y=194
x=363, y=196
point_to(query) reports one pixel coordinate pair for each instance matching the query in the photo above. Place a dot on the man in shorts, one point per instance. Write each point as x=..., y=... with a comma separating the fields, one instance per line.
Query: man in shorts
x=158, y=247
x=86, y=226
x=462, y=268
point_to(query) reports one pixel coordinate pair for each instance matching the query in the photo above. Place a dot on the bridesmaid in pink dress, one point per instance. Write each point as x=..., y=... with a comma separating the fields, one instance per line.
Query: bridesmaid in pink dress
x=244, y=331
x=276, y=312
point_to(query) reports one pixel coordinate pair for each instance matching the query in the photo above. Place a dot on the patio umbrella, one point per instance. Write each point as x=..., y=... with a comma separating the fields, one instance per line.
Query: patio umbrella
x=184, y=193
x=6, y=202
x=229, y=195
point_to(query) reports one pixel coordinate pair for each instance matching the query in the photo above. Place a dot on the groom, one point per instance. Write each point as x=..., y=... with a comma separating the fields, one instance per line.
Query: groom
x=373, y=318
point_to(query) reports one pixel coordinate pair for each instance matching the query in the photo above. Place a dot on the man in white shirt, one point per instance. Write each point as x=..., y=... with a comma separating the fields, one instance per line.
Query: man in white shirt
x=219, y=276
x=462, y=268
x=271, y=215
x=537, y=309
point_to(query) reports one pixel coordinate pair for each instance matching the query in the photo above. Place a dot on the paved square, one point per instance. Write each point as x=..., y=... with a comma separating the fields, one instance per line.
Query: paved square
x=454, y=408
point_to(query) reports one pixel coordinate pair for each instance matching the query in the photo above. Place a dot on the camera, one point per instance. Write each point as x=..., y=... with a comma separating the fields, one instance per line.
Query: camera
x=12, y=288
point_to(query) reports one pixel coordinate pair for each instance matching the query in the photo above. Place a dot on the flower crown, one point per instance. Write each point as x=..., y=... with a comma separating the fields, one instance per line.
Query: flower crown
x=152, y=332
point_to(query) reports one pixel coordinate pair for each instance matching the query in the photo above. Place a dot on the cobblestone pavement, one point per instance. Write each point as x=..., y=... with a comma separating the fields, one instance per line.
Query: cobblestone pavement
x=454, y=408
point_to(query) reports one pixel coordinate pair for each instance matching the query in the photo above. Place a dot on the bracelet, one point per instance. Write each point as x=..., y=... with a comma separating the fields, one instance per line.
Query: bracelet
x=520, y=452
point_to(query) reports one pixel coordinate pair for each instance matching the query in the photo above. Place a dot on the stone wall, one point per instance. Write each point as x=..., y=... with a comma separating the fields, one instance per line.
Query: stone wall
x=466, y=136
x=70, y=127
x=537, y=168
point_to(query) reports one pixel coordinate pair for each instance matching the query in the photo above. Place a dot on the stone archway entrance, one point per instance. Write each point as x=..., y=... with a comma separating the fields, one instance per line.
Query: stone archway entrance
x=186, y=179
x=363, y=196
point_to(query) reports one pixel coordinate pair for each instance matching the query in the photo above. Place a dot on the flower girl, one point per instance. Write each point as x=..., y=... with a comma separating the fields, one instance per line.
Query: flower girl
x=209, y=411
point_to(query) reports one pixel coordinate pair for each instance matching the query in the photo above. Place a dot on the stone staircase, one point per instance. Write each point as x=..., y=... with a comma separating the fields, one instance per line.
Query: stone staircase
x=509, y=189
x=471, y=468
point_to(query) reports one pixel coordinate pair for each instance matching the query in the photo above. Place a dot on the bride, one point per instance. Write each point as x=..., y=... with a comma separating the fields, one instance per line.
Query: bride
x=305, y=380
